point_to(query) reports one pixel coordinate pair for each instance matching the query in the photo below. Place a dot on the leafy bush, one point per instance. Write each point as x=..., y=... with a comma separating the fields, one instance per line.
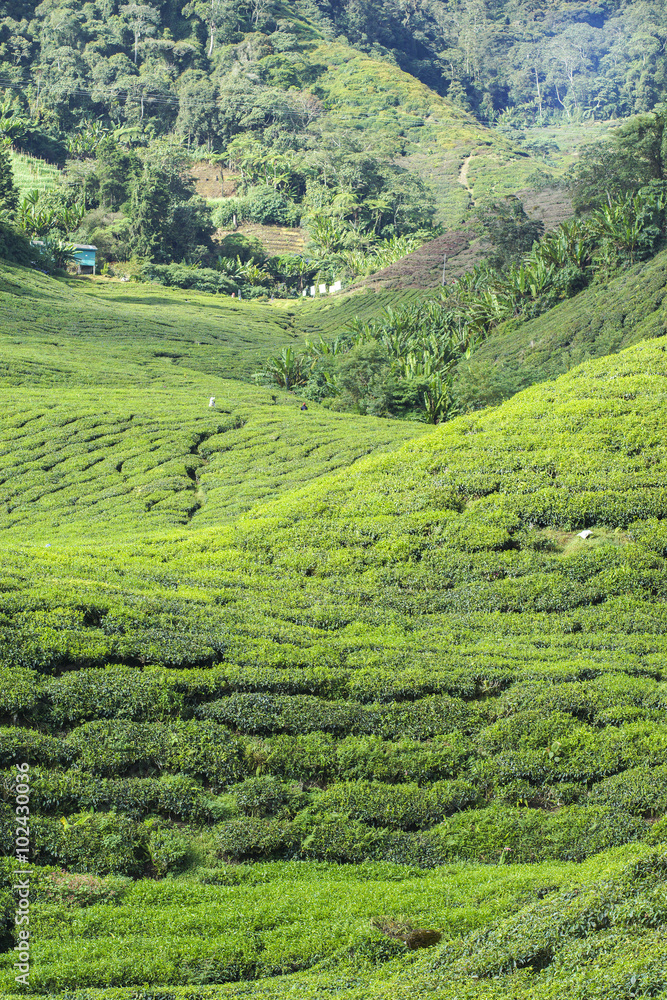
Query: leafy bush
x=201, y=750
x=81, y=889
x=201, y=279
x=113, y=692
x=18, y=745
x=173, y=796
x=641, y=791
x=254, y=837
x=101, y=843
x=404, y=807
x=267, y=713
x=264, y=205
x=169, y=850
x=264, y=796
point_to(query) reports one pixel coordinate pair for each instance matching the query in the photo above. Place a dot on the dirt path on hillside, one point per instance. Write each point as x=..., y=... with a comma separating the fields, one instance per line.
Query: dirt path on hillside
x=463, y=176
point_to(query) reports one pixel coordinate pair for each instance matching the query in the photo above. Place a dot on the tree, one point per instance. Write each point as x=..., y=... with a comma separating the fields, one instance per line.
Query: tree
x=142, y=19
x=219, y=16
x=8, y=193
x=150, y=214
x=509, y=229
x=635, y=155
x=198, y=112
x=116, y=169
x=362, y=375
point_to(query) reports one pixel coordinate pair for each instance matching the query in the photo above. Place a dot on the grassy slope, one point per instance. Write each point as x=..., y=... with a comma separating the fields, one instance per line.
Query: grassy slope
x=601, y=320
x=274, y=915
x=109, y=332
x=107, y=422
x=438, y=591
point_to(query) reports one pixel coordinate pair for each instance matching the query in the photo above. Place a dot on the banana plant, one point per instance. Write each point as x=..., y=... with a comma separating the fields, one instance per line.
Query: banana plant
x=286, y=368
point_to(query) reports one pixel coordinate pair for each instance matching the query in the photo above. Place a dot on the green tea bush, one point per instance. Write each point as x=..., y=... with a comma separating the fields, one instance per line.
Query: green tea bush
x=265, y=795
x=113, y=692
x=641, y=791
x=99, y=843
x=254, y=837
x=541, y=932
x=203, y=750
x=19, y=691
x=7, y=901
x=169, y=851
x=599, y=701
x=404, y=807
x=174, y=796
x=338, y=838
x=318, y=757
x=265, y=713
x=80, y=889
x=18, y=744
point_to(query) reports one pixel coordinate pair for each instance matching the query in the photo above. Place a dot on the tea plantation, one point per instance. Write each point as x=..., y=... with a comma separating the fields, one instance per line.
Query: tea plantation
x=319, y=705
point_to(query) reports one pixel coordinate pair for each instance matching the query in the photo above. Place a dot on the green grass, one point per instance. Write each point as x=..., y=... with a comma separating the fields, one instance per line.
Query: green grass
x=288, y=673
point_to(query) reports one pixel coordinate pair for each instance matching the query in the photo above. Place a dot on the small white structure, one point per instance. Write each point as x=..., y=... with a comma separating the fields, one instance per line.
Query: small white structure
x=304, y=292
x=312, y=289
x=322, y=289
x=211, y=401
x=584, y=534
x=336, y=287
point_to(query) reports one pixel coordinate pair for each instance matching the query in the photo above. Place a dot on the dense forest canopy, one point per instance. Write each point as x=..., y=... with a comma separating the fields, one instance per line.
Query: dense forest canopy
x=213, y=68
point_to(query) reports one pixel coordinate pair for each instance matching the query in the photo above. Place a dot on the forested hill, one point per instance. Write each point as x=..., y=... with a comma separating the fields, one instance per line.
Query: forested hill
x=487, y=56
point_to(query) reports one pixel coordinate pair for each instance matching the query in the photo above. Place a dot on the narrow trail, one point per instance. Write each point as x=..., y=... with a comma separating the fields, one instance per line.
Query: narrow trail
x=463, y=176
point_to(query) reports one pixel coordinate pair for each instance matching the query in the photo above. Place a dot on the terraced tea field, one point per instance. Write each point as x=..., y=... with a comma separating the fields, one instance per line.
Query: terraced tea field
x=323, y=705
x=32, y=174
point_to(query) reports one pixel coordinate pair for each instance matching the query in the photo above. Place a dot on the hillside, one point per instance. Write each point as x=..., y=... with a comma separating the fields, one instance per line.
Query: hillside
x=273, y=669
x=601, y=320
x=110, y=422
x=333, y=627
x=291, y=125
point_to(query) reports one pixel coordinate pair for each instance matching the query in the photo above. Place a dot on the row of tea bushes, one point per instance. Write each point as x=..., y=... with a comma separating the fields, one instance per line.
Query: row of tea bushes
x=486, y=835
x=156, y=694
x=593, y=929
x=64, y=792
x=420, y=720
x=103, y=843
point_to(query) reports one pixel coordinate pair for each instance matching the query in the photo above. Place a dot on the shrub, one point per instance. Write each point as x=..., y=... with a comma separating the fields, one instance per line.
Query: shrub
x=169, y=851
x=203, y=750
x=404, y=807
x=19, y=691
x=254, y=837
x=112, y=692
x=102, y=843
x=18, y=745
x=202, y=279
x=271, y=713
x=81, y=890
x=173, y=796
x=641, y=791
x=319, y=757
x=264, y=205
x=263, y=796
